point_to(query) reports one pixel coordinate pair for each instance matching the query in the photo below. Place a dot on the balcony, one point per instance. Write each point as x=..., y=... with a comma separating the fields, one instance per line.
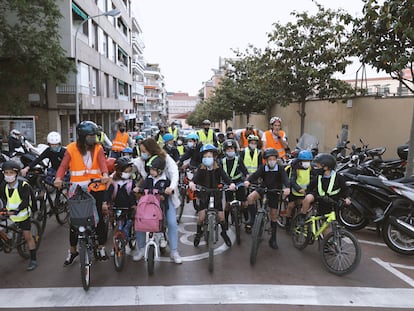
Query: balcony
x=137, y=43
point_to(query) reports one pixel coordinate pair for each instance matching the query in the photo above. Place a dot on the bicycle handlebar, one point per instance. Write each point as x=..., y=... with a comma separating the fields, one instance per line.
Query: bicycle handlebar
x=200, y=188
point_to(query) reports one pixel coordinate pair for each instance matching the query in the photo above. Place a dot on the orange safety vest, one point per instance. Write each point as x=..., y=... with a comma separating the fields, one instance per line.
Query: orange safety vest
x=271, y=143
x=78, y=170
x=244, y=143
x=120, y=142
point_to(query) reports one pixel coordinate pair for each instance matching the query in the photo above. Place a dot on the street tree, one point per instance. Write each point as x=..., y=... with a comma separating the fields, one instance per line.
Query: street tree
x=305, y=55
x=384, y=39
x=30, y=51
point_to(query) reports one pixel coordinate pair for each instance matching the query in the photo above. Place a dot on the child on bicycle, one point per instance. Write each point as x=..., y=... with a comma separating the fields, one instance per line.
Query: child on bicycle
x=299, y=172
x=273, y=176
x=192, y=152
x=156, y=179
x=327, y=188
x=119, y=192
x=16, y=195
x=210, y=175
x=234, y=167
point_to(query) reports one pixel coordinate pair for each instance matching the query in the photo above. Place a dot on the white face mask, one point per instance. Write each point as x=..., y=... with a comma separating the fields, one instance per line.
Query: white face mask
x=253, y=146
x=305, y=164
x=10, y=178
x=272, y=164
x=190, y=144
x=125, y=175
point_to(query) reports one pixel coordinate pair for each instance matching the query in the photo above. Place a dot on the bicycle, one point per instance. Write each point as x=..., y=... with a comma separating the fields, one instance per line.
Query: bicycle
x=210, y=223
x=236, y=216
x=82, y=212
x=339, y=249
x=186, y=195
x=123, y=236
x=11, y=236
x=261, y=223
x=58, y=205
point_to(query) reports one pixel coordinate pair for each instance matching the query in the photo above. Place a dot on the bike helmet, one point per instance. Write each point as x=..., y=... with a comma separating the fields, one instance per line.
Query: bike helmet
x=270, y=152
x=14, y=133
x=127, y=150
x=157, y=163
x=122, y=163
x=110, y=163
x=53, y=138
x=252, y=137
x=206, y=122
x=86, y=128
x=326, y=159
x=274, y=119
x=167, y=137
x=229, y=143
x=139, y=138
x=11, y=165
x=208, y=148
x=305, y=155
x=192, y=136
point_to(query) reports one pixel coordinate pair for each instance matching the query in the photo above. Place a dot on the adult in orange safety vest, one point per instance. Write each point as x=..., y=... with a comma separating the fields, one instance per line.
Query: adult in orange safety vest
x=275, y=137
x=121, y=141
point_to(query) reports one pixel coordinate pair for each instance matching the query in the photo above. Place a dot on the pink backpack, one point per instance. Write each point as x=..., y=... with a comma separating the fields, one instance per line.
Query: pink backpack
x=148, y=217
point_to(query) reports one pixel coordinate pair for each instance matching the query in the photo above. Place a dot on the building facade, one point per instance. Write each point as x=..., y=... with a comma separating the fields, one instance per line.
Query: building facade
x=180, y=105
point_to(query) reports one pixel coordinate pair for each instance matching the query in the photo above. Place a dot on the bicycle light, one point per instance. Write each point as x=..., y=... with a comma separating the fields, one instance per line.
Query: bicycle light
x=82, y=229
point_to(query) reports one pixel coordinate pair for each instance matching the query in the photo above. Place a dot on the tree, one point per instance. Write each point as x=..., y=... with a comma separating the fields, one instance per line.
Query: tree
x=384, y=39
x=304, y=56
x=30, y=51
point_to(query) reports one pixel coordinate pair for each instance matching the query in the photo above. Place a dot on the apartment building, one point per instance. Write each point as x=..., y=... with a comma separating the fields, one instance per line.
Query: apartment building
x=180, y=105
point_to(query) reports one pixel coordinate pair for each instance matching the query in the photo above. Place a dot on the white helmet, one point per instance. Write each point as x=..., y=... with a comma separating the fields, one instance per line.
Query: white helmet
x=15, y=133
x=53, y=138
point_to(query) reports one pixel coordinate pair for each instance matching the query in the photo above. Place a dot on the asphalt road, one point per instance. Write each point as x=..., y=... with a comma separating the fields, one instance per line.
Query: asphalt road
x=286, y=278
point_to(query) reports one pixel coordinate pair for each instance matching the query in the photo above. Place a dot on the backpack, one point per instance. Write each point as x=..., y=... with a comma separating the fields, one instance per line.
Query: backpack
x=148, y=217
x=128, y=188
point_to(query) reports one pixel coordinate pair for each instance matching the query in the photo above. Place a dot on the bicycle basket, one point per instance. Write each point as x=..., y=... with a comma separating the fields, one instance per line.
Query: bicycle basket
x=82, y=209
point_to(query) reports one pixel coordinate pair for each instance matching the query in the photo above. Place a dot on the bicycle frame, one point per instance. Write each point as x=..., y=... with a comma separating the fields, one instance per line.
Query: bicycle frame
x=317, y=229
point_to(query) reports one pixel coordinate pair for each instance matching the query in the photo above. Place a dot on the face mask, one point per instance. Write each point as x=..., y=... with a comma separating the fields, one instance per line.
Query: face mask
x=190, y=144
x=10, y=178
x=179, y=142
x=90, y=141
x=271, y=164
x=208, y=162
x=252, y=146
x=145, y=156
x=231, y=154
x=305, y=164
x=125, y=175
x=55, y=149
x=122, y=130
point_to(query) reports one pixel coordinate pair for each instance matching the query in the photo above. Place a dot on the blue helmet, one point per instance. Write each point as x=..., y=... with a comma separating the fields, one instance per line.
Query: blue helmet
x=192, y=136
x=139, y=137
x=208, y=147
x=305, y=155
x=127, y=150
x=167, y=137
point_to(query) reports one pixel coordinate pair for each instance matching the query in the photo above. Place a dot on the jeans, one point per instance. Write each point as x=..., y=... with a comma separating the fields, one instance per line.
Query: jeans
x=172, y=229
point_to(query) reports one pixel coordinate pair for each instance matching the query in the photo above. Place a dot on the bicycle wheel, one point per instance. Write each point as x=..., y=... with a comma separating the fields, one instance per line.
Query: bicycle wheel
x=281, y=213
x=151, y=259
x=119, y=252
x=211, y=241
x=180, y=208
x=340, y=252
x=41, y=215
x=85, y=264
x=301, y=233
x=22, y=247
x=236, y=218
x=257, y=236
x=61, y=207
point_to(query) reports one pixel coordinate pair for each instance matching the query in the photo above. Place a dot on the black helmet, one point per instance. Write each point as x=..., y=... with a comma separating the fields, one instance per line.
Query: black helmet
x=122, y=163
x=326, y=159
x=11, y=165
x=229, y=143
x=270, y=152
x=157, y=163
x=86, y=128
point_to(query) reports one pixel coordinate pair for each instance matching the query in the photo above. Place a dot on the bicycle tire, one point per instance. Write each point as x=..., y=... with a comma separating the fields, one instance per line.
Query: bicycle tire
x=22, y=247
x=61, y=207
x=211, y=241
x=85, y=264
x=340, y=252
x=119, y=253
x=180, y=208
x=42, y=214
x=236, y=217
x=281, y=209
x=301, y=234
x=257, y=236
x=151, y=259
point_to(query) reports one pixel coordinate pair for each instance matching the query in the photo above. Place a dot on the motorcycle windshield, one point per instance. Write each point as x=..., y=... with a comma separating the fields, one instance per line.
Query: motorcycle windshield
x=307, y=142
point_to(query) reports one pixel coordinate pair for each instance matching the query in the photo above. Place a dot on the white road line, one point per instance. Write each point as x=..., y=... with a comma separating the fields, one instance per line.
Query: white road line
x=371, y=243
x=394, y=271
x=208, y=294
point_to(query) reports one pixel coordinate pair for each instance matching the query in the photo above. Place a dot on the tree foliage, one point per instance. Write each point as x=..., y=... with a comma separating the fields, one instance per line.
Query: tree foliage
x=30, y=51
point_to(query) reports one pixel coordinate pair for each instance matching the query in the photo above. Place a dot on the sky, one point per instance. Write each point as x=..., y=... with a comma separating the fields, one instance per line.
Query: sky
x=187, y=37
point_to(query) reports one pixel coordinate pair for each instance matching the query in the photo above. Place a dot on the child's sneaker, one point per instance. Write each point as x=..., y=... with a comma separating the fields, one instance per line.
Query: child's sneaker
x=175, y=256
x=70, y=258
x=140, y=254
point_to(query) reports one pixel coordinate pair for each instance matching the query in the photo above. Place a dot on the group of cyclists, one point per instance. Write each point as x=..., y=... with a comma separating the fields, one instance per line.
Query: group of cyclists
x=154, y=163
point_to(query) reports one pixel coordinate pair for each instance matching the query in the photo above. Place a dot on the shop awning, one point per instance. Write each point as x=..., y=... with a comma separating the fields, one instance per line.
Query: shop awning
x=78, y=11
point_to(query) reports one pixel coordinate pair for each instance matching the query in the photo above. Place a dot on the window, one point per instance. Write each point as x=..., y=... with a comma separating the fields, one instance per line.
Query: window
x=113, y=52
x=122, y=57
x=123, y=88
x=78, y=16
x=95, y=82
x=94, y=36
x=114, y=88
x=106, y=86
x=122, y=27
x=105, y=46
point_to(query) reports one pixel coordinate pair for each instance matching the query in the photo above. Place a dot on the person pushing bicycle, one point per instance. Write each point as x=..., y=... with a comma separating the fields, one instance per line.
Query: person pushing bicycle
x=273, y=176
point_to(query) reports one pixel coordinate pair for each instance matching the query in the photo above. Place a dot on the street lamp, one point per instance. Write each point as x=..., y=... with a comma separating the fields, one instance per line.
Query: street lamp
x=113, y=12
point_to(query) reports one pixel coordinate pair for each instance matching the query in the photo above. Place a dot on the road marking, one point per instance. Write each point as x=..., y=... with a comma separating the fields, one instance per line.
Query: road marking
x=371, y=243
x=213, y=294
x=398, y=274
